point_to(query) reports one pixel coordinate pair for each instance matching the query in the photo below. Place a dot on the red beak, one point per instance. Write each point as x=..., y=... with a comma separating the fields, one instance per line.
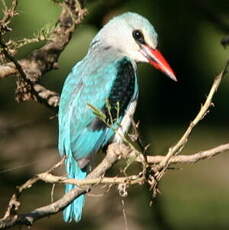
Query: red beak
x=156, y=59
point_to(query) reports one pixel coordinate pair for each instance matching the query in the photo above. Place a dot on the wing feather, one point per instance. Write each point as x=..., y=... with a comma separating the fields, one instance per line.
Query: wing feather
x=75, y=116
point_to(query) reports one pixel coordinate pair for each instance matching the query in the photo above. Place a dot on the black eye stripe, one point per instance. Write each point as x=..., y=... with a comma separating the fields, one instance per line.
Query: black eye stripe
x=138, y=36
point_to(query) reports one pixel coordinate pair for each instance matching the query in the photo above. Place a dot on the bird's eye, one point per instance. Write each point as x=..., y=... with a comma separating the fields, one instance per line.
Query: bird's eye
x=138, y=36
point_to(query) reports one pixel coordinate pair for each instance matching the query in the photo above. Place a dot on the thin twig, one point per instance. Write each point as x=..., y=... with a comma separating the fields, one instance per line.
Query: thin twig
x=206, y=154
x=115, y=151
x=134, y=179
x=176, y=149
x=45, y=59
x=49, y=178
x=8, y=14
x=12, y=218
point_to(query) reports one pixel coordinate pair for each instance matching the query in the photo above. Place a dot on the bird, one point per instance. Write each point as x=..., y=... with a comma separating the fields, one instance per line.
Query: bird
x=105, y=80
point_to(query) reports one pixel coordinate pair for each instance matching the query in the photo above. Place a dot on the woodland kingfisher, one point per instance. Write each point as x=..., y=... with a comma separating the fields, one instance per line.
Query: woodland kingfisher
x=104, y=79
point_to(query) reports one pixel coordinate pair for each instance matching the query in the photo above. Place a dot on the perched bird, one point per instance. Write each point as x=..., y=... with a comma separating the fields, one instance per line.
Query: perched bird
x=104, y=79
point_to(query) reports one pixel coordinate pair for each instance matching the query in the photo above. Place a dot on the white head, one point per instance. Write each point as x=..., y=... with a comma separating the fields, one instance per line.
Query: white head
x=133, y=36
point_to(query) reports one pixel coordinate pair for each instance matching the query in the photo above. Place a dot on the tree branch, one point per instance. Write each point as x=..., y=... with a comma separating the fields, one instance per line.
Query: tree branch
x=29, y=218
x=8, y=14
x=45, y=59
x=178, y=147
x=206, y=154
x=134, y=179
x=115, y=151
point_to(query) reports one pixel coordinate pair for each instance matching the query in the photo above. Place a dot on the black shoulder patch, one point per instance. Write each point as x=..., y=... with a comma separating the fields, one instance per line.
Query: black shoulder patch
x=121, y=93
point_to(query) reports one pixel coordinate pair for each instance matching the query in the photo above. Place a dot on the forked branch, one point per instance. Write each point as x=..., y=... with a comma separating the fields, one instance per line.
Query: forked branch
x=115, y=152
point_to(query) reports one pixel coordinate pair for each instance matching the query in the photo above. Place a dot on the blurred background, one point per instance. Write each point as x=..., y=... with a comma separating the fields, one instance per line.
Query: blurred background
x=192, y=196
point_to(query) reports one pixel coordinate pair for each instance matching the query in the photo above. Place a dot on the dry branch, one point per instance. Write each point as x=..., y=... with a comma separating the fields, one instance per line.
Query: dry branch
x=46, y=58
x=178, y=147
x=57, y=206
x=206, y=154
x=114, y=152
x=8, y=14
x=134, y=179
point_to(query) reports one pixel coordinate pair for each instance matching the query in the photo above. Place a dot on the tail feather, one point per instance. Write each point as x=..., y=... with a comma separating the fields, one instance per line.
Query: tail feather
x=74, y=210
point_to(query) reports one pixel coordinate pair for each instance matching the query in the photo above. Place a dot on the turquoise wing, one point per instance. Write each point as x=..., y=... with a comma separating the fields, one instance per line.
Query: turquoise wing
x=77, y=134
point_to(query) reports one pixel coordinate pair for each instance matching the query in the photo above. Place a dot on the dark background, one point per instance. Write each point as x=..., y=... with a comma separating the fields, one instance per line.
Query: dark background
x=193, y=196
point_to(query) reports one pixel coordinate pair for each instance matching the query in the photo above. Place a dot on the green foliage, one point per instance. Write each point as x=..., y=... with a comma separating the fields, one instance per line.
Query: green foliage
x=108, y=119
x=98, y=113
x=112, y=123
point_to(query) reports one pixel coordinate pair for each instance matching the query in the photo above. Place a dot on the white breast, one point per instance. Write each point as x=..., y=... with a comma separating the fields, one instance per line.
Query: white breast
x=125, y=123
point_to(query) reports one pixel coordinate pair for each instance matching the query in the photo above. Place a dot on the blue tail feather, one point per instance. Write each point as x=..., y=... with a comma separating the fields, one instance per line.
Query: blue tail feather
x=74, y=210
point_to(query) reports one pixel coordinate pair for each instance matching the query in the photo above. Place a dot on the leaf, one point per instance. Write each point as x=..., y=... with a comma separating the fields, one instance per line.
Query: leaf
x=99, y=113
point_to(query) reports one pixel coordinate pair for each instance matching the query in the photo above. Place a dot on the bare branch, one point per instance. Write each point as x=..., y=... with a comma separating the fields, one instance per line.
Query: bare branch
x=115, y=151
x=134, y=179
x=29, y=218
x=8, y=14
x=46, y=96
x=44, y=59
x=176, y=149
x=7, y=70
x=206, y=154
x=25, y=89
